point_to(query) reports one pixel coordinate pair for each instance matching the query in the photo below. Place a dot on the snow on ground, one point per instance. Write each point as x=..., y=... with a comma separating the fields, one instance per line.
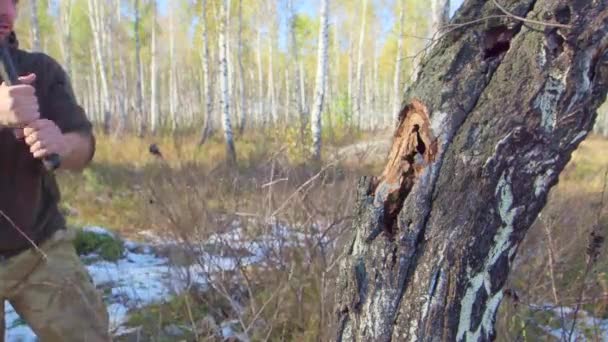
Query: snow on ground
x=143, y=276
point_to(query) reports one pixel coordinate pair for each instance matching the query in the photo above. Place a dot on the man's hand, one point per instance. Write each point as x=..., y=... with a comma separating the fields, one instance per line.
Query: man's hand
x=18, y=103
x=45, y=138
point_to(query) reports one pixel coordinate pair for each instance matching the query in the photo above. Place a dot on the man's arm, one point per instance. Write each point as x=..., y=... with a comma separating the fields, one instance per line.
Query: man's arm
x=75, y=148
x=80, y=147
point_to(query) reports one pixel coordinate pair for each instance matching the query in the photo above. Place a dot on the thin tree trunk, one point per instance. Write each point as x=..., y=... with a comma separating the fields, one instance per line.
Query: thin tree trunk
x=95, y=18
x=320, y=81
x=397, y=77
x=475, y=154
x=261, y=114
x=208, y=127
x=359, y=80
x=350, y=78
x=296, y=62
x=172, y=81
x=153, y=73
x=66, y=34
x=109, y=38
x=243, y=111
x=225, y=91
x=138, y=69
x=35, y=28
x=271, y=88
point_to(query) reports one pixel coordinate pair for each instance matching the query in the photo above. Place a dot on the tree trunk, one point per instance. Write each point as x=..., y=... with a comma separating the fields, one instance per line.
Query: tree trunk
x=138, y=69
x=359, y=81
x=493, y=119
x=208, y=127
x=153, y=73
x=95, y=19
x=321, y=78
x=261, y=108
x=35, y=29
x=225, y=91
x=295, y=64
x=172, y=81
x=397, y=77
x=65, y=9
x=243, y=110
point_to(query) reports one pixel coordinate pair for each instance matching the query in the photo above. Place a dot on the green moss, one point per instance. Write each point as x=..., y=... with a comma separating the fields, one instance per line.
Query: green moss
x=108, y=247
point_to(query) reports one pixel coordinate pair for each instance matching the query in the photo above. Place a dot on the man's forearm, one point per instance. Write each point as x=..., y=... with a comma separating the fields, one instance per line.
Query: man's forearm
x=80, y=149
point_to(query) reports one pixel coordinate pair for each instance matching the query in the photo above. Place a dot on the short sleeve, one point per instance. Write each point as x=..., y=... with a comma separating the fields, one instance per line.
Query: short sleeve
x=61, y=104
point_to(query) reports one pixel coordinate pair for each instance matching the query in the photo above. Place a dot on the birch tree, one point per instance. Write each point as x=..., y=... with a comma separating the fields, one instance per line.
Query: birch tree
x=208, y=127
x=359, y=80
x=243, y=111
x=473, y=159
x=65, y=27
x=295, y=63
x=154, y=119
x=172, y=71
x=96, y=19
x=138, y=69
x=397, y=77
x=35, y=26
x=320, y=81
x=225, y=90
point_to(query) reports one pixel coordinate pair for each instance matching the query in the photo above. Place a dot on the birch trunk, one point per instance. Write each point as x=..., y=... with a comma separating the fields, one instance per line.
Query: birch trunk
x=261, y=114
x=441, y=15
x=65, y=8
x=35, y=28
x=225, y=95
x=359, y=80
x=243, y=111
x=95, y=18
x=295, y=65
x=397, y=77
x=475, y=154
x=172, y=82
x=208, y=127
x=271, y=87
x=138, y=69
x=153, y=73
x=321, y=78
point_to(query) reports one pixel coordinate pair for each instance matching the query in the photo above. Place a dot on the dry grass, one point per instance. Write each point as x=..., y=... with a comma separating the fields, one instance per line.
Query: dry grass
x=192, y=194
x=550, y=266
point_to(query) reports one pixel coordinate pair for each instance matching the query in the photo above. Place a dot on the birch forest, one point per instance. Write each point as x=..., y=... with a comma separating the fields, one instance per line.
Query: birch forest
x=232, y=195
x=229, y=66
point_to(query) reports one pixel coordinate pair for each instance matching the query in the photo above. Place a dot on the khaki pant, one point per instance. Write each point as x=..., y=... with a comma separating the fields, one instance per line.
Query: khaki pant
x=54, y=296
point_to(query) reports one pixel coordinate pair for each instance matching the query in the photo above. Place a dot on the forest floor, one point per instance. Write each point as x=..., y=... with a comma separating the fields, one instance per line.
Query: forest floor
x=193, y=248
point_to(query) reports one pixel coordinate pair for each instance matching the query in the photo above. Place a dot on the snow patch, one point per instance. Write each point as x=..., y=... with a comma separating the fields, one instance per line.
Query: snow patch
x=143, y=277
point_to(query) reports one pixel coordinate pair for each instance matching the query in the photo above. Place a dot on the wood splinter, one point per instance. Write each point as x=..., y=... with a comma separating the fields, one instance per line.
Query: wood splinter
x=414, y=147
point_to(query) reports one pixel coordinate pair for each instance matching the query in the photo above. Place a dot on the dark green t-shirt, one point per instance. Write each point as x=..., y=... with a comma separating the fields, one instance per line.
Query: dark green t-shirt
x=29, y=195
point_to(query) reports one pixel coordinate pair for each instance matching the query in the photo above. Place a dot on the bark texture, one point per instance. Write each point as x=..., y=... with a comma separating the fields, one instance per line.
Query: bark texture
x=492, y=120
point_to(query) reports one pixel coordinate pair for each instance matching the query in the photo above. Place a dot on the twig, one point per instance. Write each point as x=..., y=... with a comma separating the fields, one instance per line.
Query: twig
x=591, y=253
x=273, y=182
x=530, y=21
x=286, y=202
x=551, y=253
x=44, y=256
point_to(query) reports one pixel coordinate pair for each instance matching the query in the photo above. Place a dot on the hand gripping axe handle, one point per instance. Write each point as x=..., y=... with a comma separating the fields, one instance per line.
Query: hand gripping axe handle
x=9, y=75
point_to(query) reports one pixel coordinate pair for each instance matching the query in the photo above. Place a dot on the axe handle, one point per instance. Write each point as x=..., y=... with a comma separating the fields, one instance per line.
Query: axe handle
x=10, y=77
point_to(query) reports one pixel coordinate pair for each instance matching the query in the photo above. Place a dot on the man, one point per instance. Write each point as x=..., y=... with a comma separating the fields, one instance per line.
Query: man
x=40, y=272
